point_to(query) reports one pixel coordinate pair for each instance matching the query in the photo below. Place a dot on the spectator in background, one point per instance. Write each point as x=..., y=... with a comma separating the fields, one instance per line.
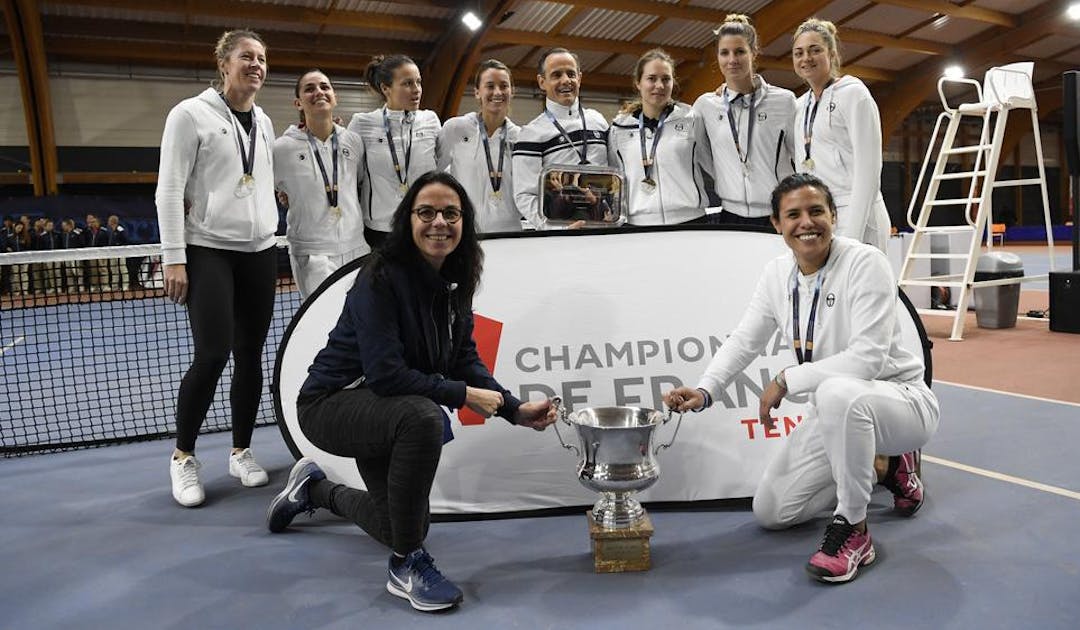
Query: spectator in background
x=96, y=269
x=116, y=237
x=71, y=270
x=5, y=271
x=19, y=241
x=47, y=274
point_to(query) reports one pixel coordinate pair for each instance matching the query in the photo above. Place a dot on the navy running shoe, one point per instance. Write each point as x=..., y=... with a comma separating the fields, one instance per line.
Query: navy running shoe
x=295, y=498
x=417, y=580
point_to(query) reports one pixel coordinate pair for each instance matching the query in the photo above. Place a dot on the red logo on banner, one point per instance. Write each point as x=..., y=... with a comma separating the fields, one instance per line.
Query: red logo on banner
x=486, y=334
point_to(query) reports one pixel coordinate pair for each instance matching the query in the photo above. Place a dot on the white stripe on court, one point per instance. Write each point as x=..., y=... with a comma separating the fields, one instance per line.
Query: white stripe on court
x=12, y=345
x=1005, y=393
x=1035, y=485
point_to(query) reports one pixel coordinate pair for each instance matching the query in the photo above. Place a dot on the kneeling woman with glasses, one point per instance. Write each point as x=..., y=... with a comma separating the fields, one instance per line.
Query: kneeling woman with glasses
x=401, y=351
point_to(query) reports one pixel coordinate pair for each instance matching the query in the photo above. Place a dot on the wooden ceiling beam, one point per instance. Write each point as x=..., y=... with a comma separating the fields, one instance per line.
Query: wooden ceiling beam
x=23, y=21
x=173, y=55
x=881, y=40
x=292, y=14
x=575, y=43
x=450, y=66
x=204, y=37
x=648, y=7
x=968, y=12
x=14, y=28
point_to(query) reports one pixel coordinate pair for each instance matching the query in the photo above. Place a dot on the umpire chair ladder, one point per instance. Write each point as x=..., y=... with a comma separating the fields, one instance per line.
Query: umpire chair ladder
x=1004, y=89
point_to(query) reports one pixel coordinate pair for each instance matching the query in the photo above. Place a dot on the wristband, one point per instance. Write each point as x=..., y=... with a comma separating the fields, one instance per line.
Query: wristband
x=707, y=400
x=780, y=380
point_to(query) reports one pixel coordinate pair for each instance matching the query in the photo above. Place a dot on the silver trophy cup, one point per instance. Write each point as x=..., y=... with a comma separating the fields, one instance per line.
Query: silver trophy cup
x=616, y=451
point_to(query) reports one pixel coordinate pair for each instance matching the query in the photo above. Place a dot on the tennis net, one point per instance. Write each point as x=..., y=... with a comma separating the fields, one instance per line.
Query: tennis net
x=92, y=353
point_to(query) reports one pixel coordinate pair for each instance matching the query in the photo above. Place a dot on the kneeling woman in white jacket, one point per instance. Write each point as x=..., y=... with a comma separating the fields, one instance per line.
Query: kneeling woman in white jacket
x=317, y=165
x=653, y=141
x=867, y=393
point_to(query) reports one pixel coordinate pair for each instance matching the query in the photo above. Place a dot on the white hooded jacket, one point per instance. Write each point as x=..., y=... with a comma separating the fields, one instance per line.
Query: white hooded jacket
x=380, y=190
x=198, y=178
x=313, y=228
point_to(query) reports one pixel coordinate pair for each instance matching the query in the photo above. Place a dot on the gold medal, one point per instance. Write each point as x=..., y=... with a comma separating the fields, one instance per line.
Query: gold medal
x=496, y=195
x=336, y=211
x=808, y=164
x=403, y=188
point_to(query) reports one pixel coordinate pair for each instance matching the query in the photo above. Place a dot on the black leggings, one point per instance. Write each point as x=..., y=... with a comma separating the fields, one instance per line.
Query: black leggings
x=396, y=442
x=230, y=304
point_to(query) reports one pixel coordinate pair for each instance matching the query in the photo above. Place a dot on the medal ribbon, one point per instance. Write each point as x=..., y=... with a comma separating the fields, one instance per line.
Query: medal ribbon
x=744, y=158
x=648, y=159
x=403, y=178
x=584, y=133
x=331, y=190
x=246, y=160
x=810, y=322
x=494, y=175
x=809, y=116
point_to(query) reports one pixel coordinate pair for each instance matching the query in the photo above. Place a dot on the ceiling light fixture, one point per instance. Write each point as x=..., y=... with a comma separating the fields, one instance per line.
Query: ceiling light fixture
x=954, y=72
x=471, y=21
x=1073, y=11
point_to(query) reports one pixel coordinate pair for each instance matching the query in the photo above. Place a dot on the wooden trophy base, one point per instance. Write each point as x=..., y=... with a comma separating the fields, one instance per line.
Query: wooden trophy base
x=619, y=550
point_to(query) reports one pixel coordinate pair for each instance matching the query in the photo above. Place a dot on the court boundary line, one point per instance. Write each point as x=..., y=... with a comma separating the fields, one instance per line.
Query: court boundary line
x=1035, y=485
x=12, y=344
x=1005, y=393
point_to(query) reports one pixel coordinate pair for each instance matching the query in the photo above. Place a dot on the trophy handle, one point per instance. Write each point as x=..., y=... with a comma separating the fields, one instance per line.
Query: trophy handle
x=678, y=425
x=562, y=416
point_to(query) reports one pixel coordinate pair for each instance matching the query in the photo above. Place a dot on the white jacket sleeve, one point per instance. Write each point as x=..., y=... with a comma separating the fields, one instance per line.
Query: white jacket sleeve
x=751, y=336
x=872, y=309
x=865, y=128
x=179, y=148
x=444, y=150
x=526, y=188
x=703, y=157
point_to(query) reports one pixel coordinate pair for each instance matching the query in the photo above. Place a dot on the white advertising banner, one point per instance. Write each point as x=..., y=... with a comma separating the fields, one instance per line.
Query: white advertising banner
x=604, y=319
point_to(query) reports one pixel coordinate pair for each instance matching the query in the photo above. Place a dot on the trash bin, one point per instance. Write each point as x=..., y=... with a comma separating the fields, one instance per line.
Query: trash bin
x=996, y=306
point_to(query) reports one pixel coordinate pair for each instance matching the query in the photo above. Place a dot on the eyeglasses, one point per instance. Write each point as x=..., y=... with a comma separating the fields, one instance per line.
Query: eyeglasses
x=427, y=214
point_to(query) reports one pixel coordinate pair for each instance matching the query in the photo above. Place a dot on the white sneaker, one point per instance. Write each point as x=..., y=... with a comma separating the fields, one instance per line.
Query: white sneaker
x=243, y=465
x=186, y=487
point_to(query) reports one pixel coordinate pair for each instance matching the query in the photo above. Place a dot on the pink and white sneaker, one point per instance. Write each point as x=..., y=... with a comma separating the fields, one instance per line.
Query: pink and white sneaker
x=843, y=550
x=904, y=483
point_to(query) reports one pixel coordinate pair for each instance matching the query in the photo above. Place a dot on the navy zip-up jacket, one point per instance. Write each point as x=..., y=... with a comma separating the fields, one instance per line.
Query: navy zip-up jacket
x=404, y=336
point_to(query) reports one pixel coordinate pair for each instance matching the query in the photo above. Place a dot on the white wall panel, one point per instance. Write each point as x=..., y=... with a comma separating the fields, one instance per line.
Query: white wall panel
x=12, y=121
x=130, y=112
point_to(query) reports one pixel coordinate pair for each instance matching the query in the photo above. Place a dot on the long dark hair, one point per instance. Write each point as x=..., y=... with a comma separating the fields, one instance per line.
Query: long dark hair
x=464, y=265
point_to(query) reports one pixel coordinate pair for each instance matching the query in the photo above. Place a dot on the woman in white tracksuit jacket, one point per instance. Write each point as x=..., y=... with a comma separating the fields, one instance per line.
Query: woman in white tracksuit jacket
x=748, y=128
x=400, y=141
x=653, y=141
x=217, y=216
x=835, y=302
x=477, y=149
x=317, y=165
x=838, y=135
